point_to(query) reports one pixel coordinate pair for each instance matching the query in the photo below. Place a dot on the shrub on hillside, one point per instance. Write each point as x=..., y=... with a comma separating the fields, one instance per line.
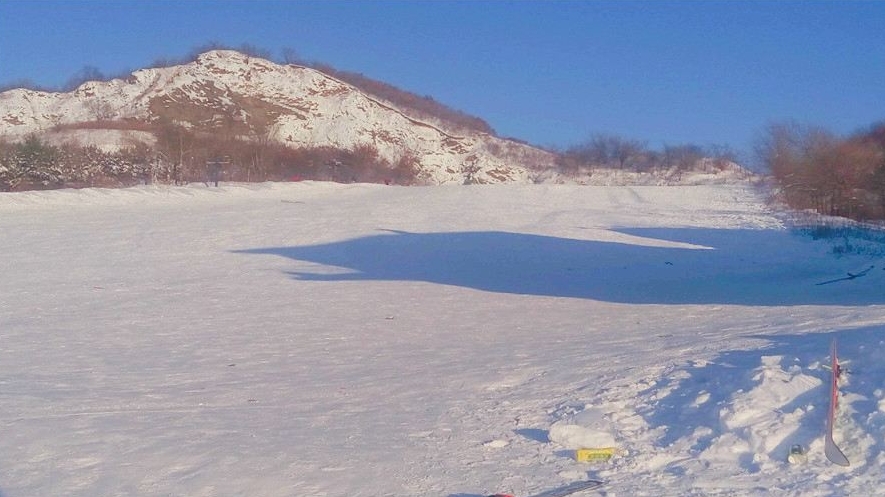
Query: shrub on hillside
x=815, y=169
x=183, y=156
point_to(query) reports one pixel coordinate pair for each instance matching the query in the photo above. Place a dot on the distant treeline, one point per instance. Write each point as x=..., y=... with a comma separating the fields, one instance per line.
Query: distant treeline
x=181, y=156
x=615, y=152
x=813, y=168
x=817, y=170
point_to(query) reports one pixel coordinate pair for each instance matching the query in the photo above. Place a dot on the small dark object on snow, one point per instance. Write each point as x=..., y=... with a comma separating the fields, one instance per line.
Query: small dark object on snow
x=850, y=276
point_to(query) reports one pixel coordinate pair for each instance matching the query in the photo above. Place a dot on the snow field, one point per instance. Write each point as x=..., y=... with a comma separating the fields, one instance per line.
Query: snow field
x=327, y=340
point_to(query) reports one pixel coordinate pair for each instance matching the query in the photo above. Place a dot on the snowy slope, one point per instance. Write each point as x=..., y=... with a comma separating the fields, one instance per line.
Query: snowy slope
x=291, y=104
x=319, y=339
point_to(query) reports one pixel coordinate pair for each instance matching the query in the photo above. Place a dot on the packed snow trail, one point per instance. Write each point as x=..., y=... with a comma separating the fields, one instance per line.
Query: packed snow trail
x=331, y=340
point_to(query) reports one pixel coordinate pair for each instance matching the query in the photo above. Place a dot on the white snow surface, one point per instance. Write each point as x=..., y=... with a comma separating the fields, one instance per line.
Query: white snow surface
x=313, y=339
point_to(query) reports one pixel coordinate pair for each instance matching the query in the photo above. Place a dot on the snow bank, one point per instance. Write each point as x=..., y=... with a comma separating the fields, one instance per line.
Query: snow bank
x=586, y=429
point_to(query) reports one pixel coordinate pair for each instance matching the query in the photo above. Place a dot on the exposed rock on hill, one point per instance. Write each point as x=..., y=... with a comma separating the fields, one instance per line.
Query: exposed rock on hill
x=254, y=99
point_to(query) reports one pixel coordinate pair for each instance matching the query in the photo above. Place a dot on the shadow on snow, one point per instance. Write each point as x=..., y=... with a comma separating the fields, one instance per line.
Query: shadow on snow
x=644, y=266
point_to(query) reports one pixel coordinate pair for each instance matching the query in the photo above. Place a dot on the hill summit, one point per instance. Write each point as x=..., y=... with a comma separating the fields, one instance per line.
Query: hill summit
x=231, y=96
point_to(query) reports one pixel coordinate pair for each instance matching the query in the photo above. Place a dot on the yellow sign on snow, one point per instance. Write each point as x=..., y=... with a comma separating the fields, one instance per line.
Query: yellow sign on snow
x=595, y=454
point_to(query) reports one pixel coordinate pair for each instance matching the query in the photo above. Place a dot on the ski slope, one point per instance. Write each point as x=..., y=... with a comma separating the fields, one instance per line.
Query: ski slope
x=315, y=339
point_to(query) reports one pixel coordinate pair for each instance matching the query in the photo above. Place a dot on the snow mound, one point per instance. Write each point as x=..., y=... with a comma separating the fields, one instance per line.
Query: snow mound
x=586, y=431
x=764, y=421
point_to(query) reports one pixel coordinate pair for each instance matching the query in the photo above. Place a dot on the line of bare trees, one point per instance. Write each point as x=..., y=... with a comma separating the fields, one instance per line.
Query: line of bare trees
x=606, y=151
x=815, y=169
x=257, y=158
x=33, y=164
x=181, y=155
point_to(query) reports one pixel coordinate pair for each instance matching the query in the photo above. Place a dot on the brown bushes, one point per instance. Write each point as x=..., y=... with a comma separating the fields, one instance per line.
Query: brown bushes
x=814, y=169
x=182, y=156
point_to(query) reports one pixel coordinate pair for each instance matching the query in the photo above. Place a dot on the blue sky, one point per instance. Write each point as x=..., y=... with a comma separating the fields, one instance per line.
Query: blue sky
x=553, y=73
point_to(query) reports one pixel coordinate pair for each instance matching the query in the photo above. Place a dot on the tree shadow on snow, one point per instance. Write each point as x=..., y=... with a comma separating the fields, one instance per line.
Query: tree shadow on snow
x=695, y=405
x=637, y=266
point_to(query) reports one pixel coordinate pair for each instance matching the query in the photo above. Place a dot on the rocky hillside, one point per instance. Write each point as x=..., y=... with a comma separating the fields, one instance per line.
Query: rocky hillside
x=228, y=93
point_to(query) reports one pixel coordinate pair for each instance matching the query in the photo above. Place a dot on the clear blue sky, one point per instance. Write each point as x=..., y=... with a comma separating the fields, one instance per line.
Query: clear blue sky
x=550, y=72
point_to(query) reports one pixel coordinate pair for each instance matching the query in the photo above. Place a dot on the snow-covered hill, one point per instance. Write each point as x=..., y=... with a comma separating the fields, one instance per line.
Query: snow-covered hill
x=291, y=104
x=318, y=339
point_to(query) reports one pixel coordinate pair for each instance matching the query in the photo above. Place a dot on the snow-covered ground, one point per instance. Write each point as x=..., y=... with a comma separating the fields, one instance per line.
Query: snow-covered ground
x=318, y=339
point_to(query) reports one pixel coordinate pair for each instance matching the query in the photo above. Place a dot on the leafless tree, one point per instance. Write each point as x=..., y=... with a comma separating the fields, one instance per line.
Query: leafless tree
x=609, y=151
x=100, y=108
x=290, y=56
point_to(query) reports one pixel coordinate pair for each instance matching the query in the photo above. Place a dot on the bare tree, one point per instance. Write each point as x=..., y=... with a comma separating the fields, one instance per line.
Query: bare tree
x=101, y=109
x=682, y=157
x=87, y=73
x=175, y=143
x=626, y=151
x=721, y=155
x=290, y=56
x=609, y=151
x=815, y=169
